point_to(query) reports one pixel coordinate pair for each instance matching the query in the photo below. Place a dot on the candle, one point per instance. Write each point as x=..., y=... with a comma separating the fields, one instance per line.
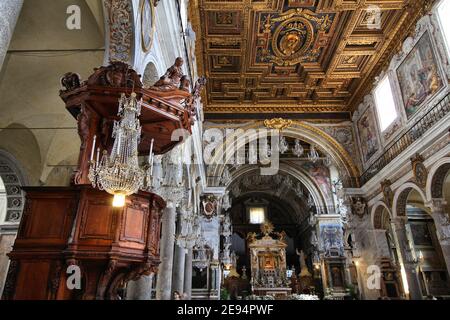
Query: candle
x=93, y=148
x=150, y=155
x=151, y=166
x=118, y=144
x=98, y=156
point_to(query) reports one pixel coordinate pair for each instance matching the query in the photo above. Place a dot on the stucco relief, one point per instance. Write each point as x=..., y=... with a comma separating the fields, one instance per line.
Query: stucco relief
x=121, y=32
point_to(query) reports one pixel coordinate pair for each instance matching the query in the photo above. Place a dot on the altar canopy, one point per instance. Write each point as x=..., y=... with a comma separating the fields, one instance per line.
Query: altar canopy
x=268, y=262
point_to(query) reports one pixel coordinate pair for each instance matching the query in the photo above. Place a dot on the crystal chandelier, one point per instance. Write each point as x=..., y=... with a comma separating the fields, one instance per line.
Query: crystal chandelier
x=119, y=173
x=190, y=230
x=200, y=255
x=284, y=146
x=226, y=201
x=226, y=177
x=298, y=149
x=226, y=254
x=313, y=155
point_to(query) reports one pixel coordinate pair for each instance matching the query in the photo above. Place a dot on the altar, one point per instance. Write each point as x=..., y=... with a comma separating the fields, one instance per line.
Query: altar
x=268, y=263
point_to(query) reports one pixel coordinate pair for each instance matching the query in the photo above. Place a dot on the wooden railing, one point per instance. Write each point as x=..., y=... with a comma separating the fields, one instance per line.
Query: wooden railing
x=432, y=117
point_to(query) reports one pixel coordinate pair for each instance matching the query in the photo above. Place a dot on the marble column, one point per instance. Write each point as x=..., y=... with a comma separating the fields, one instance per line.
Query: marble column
x=188, y=274
x=9, y=13
x=140, y=289
x=178, y=269
x=164, y=280
x=442, y=223
x=405, y=254
x=215, y=279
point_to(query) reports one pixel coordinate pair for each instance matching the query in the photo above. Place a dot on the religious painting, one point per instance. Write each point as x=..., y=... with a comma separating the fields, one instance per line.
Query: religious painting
x=368, y=134
x=147, y=24
x=337, y=280
x=421, y=234
x=331, y=235
x=418, y=75
x=321, y=175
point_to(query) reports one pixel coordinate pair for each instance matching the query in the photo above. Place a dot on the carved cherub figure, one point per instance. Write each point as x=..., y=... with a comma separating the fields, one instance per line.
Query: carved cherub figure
x=171, y=80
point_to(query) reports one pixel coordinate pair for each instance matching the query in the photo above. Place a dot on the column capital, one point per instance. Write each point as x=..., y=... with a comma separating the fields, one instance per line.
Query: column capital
x=399, y=222
x=437, y=205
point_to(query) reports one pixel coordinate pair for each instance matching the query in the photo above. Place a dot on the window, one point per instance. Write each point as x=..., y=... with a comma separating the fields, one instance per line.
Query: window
x=2, y=201
x=385, y=104
x=257, y=215
x=444, y=14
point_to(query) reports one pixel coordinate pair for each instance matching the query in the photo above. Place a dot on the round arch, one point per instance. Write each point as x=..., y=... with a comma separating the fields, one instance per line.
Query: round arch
x=299, y=130
x=14, y=179
x=436, y=178
x=320, y=200
x=150, y=75
x=401, y=197
x=376, y=214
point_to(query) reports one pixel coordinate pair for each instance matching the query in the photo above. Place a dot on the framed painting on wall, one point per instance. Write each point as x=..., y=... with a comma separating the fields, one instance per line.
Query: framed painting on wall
x=418, y=75
x=368, y=134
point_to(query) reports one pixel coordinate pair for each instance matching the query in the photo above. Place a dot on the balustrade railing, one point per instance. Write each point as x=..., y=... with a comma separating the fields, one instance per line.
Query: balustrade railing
x=428, y=120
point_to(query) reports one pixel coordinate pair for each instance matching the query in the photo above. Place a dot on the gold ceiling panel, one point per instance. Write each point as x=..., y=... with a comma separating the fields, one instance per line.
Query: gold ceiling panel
x=304, y=55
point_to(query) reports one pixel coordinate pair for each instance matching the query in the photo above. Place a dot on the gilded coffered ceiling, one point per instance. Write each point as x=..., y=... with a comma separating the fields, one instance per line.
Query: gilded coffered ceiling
x=298, y=56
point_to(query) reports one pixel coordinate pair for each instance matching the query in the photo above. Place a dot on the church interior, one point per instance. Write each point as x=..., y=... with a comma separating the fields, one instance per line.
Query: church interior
x=224, y=150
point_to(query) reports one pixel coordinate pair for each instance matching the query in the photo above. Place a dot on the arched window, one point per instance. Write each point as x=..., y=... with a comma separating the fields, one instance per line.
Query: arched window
x=443, y=11
x=150, y=75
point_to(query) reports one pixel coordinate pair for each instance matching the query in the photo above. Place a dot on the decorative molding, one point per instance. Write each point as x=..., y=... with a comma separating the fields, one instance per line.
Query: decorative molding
x=147, y=36
x=388, y=194
x=210, y=206
x=278, y=124
x=419, y=170
x=15, y=199
x=359, y=207
x=120, y=19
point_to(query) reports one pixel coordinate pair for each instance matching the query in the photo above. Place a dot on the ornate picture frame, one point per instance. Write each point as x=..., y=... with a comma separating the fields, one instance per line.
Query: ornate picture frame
x=147, y=24
x=420, y=172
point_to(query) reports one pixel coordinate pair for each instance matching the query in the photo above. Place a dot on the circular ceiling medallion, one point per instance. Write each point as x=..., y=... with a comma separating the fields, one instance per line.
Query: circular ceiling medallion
x=147, y=24
x=292, y=38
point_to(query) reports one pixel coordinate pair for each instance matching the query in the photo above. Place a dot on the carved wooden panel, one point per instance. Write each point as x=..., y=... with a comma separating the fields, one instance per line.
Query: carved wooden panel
x=135, y=224
x=45, y=210
x=32, y=281
x=97, y=220
x=78, y=226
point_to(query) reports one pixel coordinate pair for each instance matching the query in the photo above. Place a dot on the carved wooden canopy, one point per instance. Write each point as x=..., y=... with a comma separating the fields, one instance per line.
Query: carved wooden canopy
x=297, y=55
x=162, y=112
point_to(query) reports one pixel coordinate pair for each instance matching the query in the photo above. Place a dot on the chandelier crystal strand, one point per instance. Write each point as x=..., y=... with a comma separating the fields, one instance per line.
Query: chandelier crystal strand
x=313, y=155
x=119, y=173
x=284, y=146
x=298, y=149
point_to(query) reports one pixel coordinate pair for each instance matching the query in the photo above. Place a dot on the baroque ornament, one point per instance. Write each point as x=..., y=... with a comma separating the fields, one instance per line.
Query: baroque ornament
x=120, y=21
x=277, y=124
x=210, y=205
x=147, y=24
x=388, y=194
x=419, y=170
x=293, y=35
x=359, y=207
